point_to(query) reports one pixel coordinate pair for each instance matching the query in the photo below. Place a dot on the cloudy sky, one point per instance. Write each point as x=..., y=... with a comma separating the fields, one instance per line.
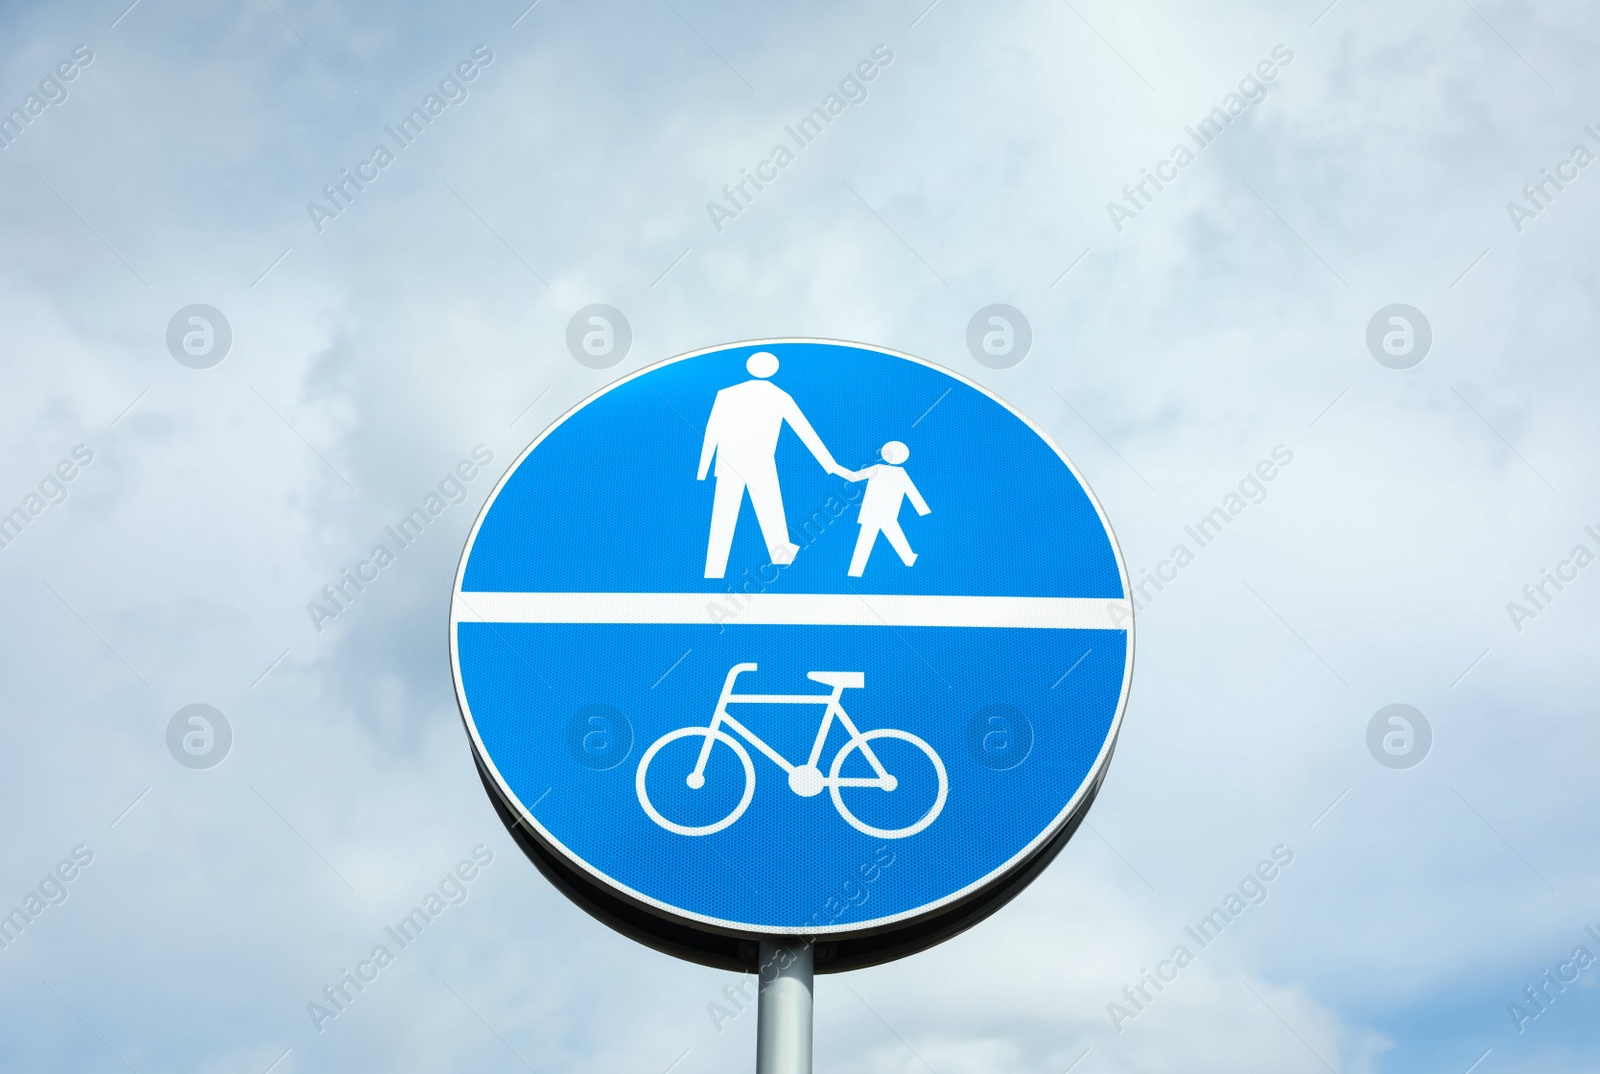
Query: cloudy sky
x=1172, y=350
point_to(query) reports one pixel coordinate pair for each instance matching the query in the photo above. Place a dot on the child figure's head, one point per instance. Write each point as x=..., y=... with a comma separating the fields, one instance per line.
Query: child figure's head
x=894, y=453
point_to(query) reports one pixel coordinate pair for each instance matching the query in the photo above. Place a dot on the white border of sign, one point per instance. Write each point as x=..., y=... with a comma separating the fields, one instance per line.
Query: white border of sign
x=459, y=613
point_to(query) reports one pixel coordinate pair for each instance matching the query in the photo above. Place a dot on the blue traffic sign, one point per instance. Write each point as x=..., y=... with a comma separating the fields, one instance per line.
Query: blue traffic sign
x=792, y=637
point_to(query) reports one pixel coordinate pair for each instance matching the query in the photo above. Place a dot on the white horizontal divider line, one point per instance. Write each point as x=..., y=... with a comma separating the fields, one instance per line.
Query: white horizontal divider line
x=794, y=609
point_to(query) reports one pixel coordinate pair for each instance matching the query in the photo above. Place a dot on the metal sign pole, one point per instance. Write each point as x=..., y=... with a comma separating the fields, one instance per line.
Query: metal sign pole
x=783, y=1009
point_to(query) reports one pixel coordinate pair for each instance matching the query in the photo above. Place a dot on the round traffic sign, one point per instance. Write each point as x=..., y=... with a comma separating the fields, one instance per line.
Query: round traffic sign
x=792, y=638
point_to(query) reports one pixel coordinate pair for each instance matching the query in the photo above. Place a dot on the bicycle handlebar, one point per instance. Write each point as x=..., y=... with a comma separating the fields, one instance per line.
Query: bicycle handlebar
x=733, y=673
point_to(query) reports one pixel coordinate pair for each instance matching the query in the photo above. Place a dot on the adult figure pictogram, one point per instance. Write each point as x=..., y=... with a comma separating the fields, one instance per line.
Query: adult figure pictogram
x=742, y=433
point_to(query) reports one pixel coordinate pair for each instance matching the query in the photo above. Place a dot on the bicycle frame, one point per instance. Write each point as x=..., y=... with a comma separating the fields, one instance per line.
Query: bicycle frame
x=840, y=681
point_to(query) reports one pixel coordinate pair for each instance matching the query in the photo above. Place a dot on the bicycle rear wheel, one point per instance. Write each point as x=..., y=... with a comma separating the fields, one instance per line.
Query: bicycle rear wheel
x=927, y=818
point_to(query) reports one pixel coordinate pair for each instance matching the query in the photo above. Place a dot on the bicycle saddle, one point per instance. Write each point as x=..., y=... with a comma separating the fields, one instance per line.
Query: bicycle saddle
x=843, y=680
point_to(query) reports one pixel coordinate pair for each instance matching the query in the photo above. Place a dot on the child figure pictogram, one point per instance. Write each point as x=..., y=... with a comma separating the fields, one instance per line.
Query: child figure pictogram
x=888, y=485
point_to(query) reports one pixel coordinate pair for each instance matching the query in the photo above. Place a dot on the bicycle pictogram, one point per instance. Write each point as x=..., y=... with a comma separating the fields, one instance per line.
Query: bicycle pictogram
x=805, y=779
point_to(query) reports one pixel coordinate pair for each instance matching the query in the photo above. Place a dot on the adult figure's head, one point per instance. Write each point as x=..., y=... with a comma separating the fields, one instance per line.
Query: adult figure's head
x=762, y=364
x=894, y=453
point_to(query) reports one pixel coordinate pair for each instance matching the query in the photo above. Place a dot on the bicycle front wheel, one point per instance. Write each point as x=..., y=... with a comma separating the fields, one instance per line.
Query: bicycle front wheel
x=681, y=765
x=912, y=777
